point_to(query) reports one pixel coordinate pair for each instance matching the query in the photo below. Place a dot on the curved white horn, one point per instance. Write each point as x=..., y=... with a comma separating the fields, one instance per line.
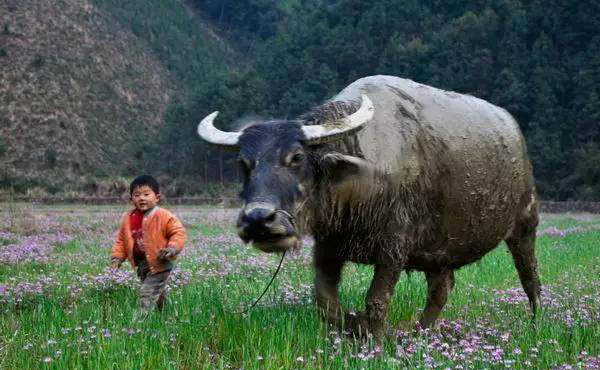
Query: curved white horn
x=213, y=135
x=330, y=131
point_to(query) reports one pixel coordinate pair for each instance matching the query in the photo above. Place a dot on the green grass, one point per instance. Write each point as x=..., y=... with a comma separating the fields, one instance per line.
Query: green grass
x=200, y=328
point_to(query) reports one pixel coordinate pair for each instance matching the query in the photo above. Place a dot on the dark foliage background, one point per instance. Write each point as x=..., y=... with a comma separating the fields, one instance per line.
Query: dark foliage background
x=538, y=59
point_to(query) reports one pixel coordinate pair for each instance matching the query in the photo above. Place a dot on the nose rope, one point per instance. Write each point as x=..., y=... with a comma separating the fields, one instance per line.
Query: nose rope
x=291, y=217
x=266, y=288
x=288, y=215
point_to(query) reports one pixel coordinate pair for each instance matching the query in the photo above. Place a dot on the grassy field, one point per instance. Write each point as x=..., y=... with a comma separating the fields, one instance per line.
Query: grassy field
x=62, y=308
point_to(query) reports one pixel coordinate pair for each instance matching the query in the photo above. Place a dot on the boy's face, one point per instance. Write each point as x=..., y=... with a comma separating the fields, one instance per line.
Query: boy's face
x=144, y=198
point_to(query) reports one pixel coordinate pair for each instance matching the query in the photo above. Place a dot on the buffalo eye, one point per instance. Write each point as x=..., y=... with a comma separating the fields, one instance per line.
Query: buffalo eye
x=296, y=159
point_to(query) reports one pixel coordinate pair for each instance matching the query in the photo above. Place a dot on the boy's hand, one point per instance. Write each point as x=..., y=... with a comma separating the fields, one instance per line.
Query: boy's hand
x=115, y=262
x=168, y=253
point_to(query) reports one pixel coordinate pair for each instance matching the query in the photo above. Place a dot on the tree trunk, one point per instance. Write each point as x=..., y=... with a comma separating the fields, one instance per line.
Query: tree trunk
x=221, y=165
x=206, y=166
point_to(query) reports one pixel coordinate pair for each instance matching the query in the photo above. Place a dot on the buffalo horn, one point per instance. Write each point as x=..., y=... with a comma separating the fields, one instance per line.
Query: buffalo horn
x=316, y=134
x=213, y=135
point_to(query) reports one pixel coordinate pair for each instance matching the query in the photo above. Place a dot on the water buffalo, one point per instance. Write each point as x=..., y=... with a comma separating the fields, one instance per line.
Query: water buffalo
x=391, y=173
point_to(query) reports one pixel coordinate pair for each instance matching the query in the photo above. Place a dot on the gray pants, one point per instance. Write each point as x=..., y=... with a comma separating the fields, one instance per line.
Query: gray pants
x=152, y=291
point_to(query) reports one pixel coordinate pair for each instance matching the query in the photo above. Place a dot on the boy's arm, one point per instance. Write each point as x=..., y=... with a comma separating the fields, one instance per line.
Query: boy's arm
x=176, y=236
x=119, y=254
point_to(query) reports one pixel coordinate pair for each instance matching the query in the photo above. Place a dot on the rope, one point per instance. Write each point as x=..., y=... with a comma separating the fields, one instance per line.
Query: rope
x=266, y=288
x=292, y=221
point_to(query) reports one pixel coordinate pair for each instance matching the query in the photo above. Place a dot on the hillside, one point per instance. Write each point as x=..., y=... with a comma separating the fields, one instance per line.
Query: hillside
x=82, y=92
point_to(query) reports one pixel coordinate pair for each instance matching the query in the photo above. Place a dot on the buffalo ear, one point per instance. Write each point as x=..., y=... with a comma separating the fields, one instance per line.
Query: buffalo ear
x=339, y=167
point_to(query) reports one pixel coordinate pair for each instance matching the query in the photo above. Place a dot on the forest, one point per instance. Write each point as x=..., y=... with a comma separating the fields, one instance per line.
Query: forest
x=537, y=59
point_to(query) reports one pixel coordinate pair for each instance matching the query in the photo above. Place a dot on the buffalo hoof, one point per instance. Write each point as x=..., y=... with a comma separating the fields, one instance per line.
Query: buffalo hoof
x=358, y=326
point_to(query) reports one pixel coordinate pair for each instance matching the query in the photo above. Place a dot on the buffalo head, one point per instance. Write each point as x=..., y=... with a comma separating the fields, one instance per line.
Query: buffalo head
x=280, y=166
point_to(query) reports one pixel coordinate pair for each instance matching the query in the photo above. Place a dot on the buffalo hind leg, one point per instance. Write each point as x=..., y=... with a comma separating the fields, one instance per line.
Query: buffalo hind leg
x=328, y=270
x=439, y=286
x=380, y=293
x=523, y=253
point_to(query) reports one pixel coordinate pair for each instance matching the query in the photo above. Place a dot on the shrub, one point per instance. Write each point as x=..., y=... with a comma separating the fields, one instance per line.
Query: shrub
x=37, y=62
x=3, y=146
x=51, y=158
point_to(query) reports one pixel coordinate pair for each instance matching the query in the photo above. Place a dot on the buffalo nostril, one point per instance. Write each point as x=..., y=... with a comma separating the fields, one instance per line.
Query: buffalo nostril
x=271, y=217
x=245, y=238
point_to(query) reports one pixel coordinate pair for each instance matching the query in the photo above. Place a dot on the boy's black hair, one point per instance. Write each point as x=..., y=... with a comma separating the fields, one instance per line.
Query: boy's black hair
x=144, y=180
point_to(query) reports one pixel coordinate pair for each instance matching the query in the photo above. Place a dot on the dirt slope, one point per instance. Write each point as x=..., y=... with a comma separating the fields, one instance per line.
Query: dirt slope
x=78, y=94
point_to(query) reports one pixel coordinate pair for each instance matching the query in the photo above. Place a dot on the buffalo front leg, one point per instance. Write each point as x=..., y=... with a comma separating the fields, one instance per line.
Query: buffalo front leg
x=328, y=271
x=380, y=293
x=439, y=286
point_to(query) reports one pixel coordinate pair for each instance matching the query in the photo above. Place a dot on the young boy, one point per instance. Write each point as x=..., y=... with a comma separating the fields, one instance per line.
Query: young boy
x=150, y=238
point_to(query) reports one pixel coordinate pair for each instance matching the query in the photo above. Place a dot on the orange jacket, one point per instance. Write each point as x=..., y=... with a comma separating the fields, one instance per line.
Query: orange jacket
x=160, y=228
